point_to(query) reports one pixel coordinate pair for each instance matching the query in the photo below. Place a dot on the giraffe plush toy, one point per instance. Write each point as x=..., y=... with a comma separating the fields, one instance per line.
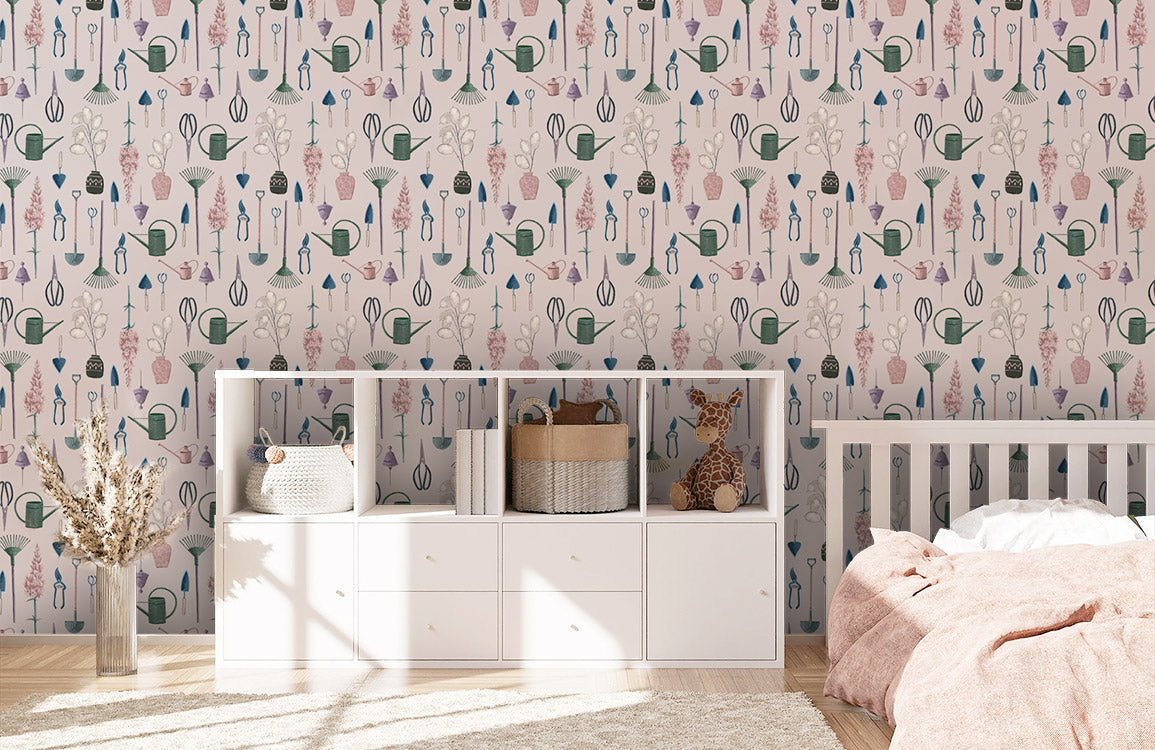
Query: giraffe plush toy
x=716, y=480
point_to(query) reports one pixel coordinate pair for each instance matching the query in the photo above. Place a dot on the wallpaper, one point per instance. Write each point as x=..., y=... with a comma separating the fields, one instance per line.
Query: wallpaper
x=945, y=202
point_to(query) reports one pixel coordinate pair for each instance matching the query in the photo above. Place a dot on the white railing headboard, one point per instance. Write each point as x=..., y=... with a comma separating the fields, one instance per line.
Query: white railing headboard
x=1036, y=437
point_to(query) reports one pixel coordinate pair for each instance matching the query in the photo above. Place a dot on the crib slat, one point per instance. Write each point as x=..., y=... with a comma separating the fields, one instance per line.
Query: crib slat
x=920, y=499
x=1149, y=472
x=998, y=470
x=1038, y=471
x=1117, y=479
x=960, y=481
x=835, y=503
x=880, y=485
x=1077, y=479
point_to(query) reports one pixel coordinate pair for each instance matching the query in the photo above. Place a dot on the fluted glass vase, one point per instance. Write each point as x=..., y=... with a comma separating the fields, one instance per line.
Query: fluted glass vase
x=115, y=620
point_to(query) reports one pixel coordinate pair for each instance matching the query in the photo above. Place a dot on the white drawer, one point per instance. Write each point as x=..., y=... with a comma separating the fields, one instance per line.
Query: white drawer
x=427, y=625
x=724, y=609
x=572, y=557
x=585, y=625
x=427, y=557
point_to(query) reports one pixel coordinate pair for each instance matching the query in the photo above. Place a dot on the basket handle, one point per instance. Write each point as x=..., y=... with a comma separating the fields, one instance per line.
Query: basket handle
x=542, y=406
x=265, y=437
x=338, y=436
x=613, y=407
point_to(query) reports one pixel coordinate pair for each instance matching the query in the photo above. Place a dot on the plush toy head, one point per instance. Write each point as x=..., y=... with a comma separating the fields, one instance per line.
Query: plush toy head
x=714, y=417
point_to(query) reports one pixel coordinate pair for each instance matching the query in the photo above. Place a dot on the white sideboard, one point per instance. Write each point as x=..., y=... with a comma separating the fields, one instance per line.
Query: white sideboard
x=419, y=586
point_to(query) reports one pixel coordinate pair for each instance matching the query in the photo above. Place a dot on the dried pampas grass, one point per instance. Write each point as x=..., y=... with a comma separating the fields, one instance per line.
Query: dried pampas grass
x=111, y=520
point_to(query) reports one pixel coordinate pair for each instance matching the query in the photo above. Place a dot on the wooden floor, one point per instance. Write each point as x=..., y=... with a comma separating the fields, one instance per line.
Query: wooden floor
x=25, y=670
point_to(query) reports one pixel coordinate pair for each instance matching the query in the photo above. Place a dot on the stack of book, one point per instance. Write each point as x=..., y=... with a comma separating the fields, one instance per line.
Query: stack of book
x=480, y=473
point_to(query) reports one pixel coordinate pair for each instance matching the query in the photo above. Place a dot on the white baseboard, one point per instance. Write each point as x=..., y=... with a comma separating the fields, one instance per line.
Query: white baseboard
x=145, y=639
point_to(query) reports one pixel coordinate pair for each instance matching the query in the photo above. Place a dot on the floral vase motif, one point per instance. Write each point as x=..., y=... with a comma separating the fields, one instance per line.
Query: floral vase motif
x=462, y=183
x=829, y=4
x=115, y=620
x=529, y=7
x=1080, y=185
x=712, y=184
x=278, y=183
x=161, y=370
x=1081, y=369
x=646, y=4
x=278, y=4
x=646, y=183
x=1080, y=7
x=94, y=183
x=1014, y=366
x=346, y=363
x=713, y=7
x=161, y=186
x=462, y=363
x=829, y=367
x=896, y=369
x=896, y=7
x=345, y=186
x=94, y=367
x=162, y=555
x=646, y=363
x=896, y=186
x=161, y=7
x=829, y=183
x=1013, y=183
x=345, y=7
x=278, y=363
x=529, y=183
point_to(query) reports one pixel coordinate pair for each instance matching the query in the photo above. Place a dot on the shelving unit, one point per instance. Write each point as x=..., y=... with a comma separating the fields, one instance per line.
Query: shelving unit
x=310, y=590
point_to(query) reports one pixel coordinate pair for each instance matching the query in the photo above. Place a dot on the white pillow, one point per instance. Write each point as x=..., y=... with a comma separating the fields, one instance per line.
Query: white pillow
x=1021, y=525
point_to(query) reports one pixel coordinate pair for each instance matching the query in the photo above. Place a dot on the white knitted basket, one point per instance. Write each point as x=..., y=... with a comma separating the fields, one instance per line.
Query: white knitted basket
x=569, y=468
x=300, y=479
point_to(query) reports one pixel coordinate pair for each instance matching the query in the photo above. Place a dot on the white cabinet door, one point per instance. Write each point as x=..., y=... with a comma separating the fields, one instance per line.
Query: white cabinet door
x=287, y=591
x=427, y=556
x=572, y=557
x=551, y=625
x=711, y=591
x=448, y=625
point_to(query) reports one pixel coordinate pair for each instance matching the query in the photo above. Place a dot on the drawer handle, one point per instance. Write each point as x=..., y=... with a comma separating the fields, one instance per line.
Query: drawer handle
x=340, y=593
x=430, y=627
x=574, y=628
x=430, y=558
x=763, y=592
x=574, y=558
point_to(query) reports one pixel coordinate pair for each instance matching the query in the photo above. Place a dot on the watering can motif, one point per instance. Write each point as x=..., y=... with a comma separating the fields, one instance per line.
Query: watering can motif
x=587, y=144
x=769, y=327
x=522, y=241
x=587, y=329
x=769, y=147
x=6, y=267
x=403, y=145
x=156, y=244
x=892, y=61
x=185, y=454
x=1137, y=330
x=211, y=518
x=219, y=330
x=183, y=87
x=952, y=147
x=155, y=427
x=1104, y=270
x=184, y=271
x=707, y=58
x=369, y=86
x=156, y=60
x=707, y=242
x=891, y=242
x=34, y=330
x=920, y=85
x=551, y=271
x=736, y=270
x=369, y=270
x=34, y=145
x=1137, y=143
x=1075, y=60
x=6, y=452
x=552, y=86
x=403, y=329
x=5, y=83
x=920, y=270
x=952, y=326
x=1076, y=243
x=219, y=143
x=1104, y=86
x=338, y=240
x=338, y=56
x=158, y=613
x=737, y=86
x=523, y=59
x=340, y=420
x=34, y=514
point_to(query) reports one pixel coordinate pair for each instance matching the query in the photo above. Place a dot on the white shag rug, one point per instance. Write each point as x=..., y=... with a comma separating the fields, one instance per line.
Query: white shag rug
x=474, y=719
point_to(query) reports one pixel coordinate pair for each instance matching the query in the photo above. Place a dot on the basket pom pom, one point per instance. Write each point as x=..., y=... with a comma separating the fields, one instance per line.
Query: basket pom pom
x=348, y=451
x=275, y=454
x=257, y=453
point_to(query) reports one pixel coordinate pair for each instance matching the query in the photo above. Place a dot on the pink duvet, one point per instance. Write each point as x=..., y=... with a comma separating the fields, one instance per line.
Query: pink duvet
x=1053, y=648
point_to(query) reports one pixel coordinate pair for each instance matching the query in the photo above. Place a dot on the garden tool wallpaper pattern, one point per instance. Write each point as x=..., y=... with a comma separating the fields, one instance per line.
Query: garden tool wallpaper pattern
x=915, y=208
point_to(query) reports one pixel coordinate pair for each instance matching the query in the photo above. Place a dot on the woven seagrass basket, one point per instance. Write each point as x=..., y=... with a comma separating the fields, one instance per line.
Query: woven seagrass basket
x=300, y=479
x=569, y=468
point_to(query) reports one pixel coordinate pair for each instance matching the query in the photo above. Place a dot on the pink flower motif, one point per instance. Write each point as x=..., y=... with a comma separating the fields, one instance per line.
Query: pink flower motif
x=495, y=342
x=402, y=399
x=680, y=347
